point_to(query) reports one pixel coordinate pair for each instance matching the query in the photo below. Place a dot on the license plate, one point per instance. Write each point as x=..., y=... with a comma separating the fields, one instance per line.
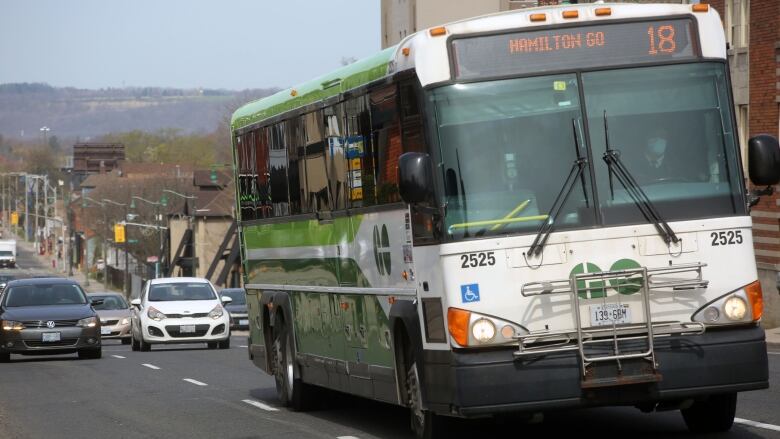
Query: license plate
x=105, y=331
x=184, y=329
x=51, y=336
x=243, y=322
x=611, y=313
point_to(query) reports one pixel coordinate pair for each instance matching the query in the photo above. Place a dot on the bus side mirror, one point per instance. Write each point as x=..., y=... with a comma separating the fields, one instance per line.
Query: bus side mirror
x=414, y=177
x=764, y=160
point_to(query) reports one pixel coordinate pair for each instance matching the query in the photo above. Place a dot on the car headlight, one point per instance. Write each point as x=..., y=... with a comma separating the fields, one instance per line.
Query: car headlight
x=89, y=322
x=11, y=325
x=739, y=306
x=126, y=321
x=155, y=314
x=217, y=312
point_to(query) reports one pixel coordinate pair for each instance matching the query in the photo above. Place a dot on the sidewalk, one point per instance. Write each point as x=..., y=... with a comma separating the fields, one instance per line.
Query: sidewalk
x=773, y=338
x=45, y=262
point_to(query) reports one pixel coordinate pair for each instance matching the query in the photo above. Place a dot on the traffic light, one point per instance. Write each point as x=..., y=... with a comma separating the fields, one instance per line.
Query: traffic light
x=119, y=233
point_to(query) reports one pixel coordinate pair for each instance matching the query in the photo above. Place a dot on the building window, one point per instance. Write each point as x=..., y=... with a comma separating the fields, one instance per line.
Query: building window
x=736, y=20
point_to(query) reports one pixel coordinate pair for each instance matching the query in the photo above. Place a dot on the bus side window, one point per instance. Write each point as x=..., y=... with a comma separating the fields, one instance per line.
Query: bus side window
x=295, y=134
x=277, y=160
x=386, y=138
x=359, y=153
x=260, y=186
x=333, y=119
x=316, y=189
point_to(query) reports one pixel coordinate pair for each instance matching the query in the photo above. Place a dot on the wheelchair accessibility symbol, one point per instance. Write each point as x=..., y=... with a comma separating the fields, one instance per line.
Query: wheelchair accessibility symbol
x=469, y=293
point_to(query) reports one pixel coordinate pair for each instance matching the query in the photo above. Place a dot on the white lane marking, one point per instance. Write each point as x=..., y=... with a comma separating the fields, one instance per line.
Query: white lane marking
x=773, y=353
x=118, y=356
x=750, y=423
x=243, y=346
x=260, y=405
x=346, y=437
x=150, y=366
x=196, y=382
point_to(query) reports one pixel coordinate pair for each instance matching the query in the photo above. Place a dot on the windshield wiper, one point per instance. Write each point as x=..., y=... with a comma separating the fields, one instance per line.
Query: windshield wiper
x=642, y=201
x=577, y=169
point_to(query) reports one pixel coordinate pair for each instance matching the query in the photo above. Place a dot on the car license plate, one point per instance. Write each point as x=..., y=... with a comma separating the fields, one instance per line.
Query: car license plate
x=608, y=314
x=49, y=337
x=105, y=331
x=243, y=322
x=187, y=329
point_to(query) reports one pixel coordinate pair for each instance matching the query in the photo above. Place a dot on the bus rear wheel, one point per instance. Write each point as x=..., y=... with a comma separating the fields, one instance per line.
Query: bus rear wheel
x=291, y=390
x=712, y=415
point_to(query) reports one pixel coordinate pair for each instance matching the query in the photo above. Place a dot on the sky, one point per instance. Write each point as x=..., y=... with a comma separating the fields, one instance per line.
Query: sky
x=230, y=44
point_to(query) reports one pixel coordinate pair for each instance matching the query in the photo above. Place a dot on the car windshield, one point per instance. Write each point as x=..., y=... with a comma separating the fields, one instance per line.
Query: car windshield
x=508, y=148
x=181, y=291
x=110, y=302
x=44, y=294
x=6, y=253
x=238, y=296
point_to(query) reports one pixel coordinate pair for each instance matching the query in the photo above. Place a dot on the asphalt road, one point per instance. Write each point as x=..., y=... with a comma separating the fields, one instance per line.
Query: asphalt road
x=188, y=391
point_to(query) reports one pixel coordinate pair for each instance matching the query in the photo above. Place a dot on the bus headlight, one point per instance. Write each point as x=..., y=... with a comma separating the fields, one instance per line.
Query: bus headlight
x=743, y=305
x=483, y=330
x=469, y=329
x=735, y=308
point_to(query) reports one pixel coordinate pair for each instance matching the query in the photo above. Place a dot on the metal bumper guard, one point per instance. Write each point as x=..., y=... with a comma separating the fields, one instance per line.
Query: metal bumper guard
x=606, y=359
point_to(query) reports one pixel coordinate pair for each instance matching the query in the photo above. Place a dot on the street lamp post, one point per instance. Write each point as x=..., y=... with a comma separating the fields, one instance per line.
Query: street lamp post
x=127, y=262
x=190, y=225
x=158, y=219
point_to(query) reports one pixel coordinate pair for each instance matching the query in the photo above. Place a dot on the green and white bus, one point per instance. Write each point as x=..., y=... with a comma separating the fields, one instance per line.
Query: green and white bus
x=528, y=211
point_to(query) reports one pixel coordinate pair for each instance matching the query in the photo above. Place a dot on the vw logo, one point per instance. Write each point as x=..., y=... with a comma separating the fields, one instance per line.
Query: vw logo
x=50, y=324
x=382, y=250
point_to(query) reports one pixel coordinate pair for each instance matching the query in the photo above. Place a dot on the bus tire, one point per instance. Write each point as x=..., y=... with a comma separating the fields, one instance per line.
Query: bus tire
x=712, y=415
x=425, y=424
x=291, y=390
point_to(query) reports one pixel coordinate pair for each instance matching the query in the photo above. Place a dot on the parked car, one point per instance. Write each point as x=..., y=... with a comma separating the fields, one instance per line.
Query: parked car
x=239, y=319
x=114, y=314
x=48, y=316
x=180, y=310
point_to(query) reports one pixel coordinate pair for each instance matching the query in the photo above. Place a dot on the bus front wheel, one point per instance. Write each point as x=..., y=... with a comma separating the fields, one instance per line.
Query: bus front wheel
x=712, y=415
x=425, y=424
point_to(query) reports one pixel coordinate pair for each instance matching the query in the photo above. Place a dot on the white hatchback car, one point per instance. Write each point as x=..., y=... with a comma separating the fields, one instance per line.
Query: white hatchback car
x=180, y=310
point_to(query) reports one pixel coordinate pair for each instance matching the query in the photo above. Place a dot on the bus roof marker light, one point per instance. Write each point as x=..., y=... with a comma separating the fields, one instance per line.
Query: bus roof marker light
x=572, y=13
x=600, y=12
x=293, y=92
x=538, y=17
x=438, y=31
x=405, y=51
x=701, y=7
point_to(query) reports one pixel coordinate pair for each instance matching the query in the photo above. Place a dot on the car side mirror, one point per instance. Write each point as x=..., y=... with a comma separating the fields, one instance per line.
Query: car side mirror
x=226, y=300
x=415, y=179
x=136, y=303
x=97, y=301
x=763, y=165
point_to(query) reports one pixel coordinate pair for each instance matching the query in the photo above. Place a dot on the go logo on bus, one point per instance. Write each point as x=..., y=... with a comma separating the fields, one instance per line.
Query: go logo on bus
x=382, y=250
x=598, y=288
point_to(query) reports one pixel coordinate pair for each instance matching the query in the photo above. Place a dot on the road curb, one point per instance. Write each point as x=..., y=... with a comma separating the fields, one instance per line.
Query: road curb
x=771, y=345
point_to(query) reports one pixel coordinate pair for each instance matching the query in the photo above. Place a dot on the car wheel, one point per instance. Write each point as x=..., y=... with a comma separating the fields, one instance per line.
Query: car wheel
x=134, y=344
x=292, y=391
x=144, y=346
x=125, y=341
x=712, y=415
x=225, y=344
x=5, y=357
x=90, y=354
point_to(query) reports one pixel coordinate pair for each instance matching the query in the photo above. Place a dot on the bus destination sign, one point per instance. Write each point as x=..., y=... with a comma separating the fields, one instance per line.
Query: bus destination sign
x=588, y=46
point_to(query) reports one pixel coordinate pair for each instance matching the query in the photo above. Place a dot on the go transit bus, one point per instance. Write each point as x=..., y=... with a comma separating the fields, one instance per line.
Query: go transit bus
x=529, y=211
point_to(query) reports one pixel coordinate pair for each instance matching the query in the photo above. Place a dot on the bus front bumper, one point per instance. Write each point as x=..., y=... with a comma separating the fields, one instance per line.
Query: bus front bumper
x=484, y=383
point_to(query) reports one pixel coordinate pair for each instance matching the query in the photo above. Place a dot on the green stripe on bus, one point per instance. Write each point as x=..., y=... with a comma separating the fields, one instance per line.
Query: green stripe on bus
x=302, y=233
x=323, y=272
x=331, y=84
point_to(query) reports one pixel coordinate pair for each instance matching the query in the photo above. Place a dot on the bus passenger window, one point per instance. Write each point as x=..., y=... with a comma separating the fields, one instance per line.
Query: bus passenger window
x=295, y=135
x=333, y=119
x=360, y=154
x=316, y=188
x=277, y=158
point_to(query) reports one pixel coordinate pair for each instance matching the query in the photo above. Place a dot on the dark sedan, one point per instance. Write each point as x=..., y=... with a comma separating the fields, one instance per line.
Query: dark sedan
x=239, y=319
x=48, y=316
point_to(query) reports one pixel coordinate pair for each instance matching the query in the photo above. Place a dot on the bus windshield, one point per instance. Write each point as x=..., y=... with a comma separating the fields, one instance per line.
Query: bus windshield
x=508, y=147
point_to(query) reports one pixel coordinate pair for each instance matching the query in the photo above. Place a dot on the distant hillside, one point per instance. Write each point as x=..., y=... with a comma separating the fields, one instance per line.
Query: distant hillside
x=71, y=112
